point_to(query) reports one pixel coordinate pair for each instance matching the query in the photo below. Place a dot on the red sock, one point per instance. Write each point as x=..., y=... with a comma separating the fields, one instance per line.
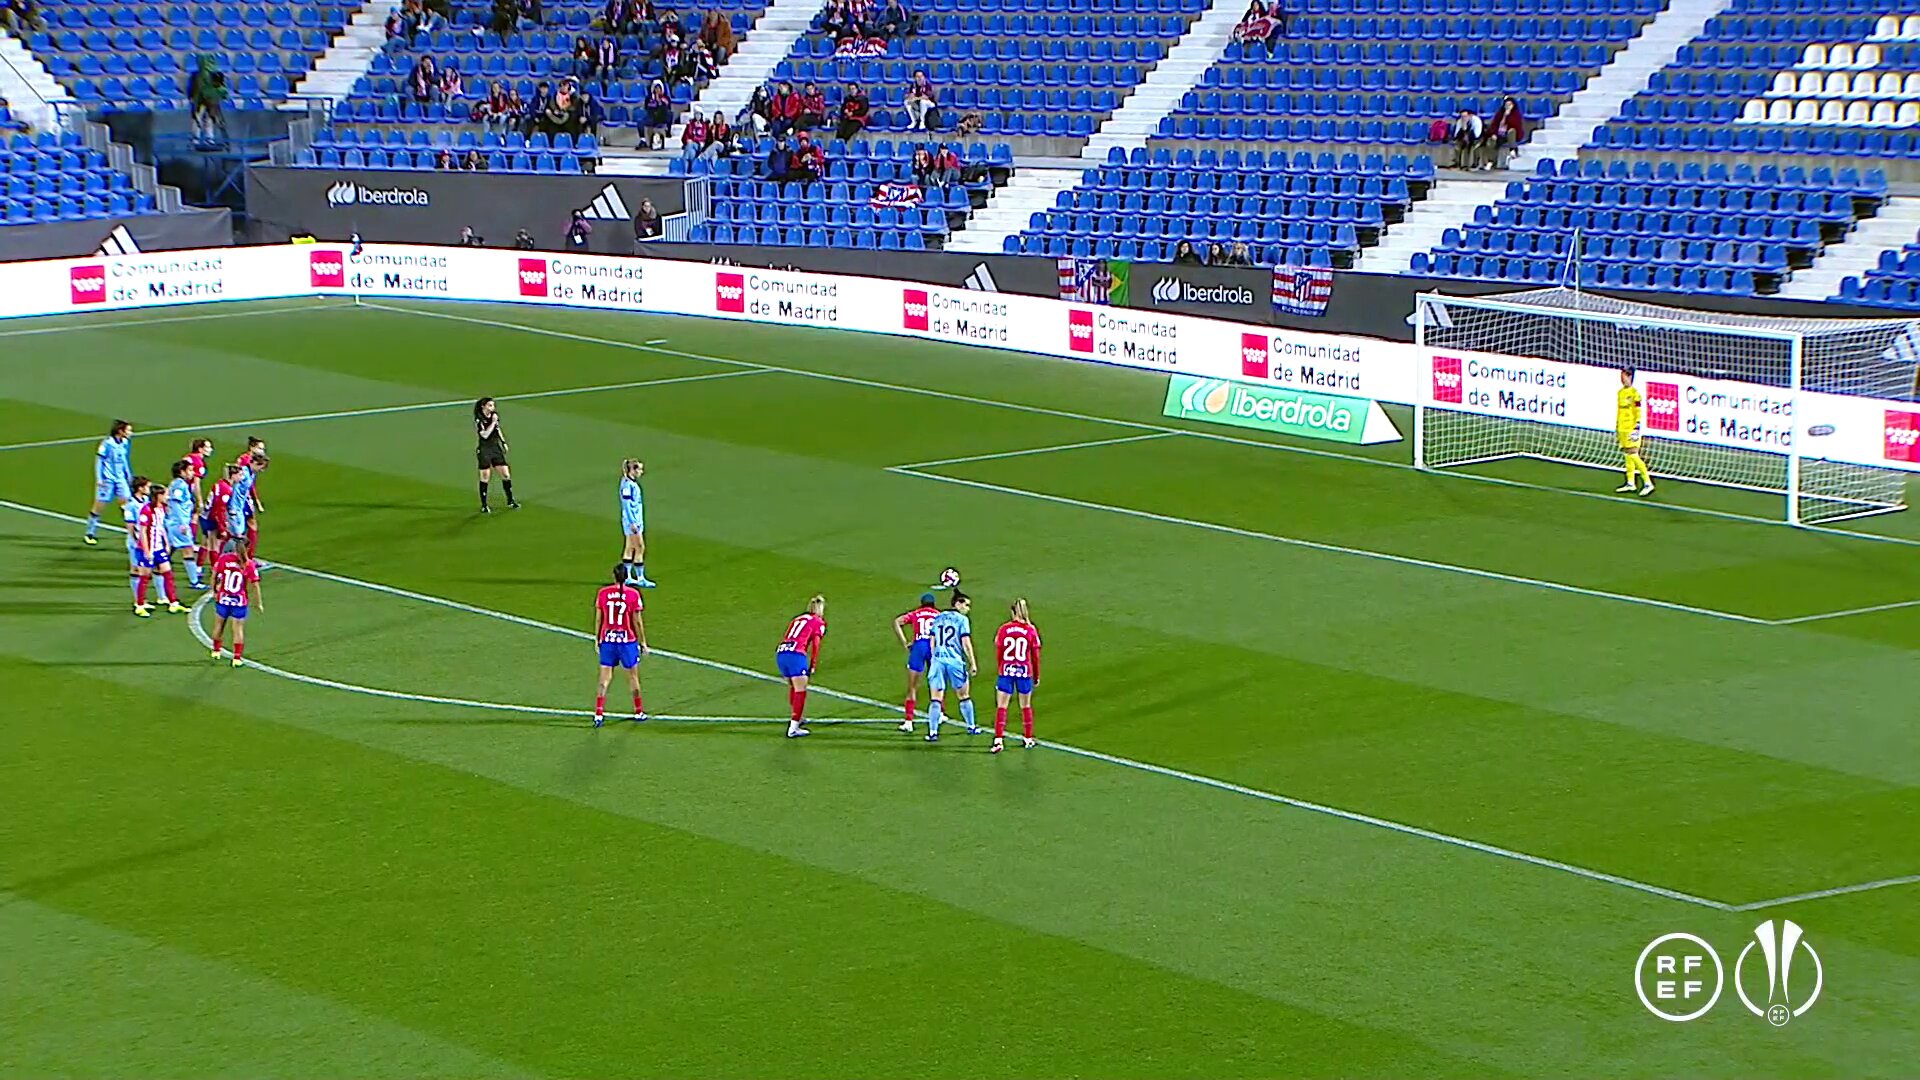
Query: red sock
x=140, y=593
x=912, y=704
x=799, y=704
x=600, y=705
x=239, y=648
x=253, y=542
x=1026, y=722
x=637, y=710
x=216, y=643
x=166, y=581
x=999, y=723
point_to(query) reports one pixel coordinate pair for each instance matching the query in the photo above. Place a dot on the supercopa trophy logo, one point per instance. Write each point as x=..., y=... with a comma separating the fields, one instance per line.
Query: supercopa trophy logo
x=1778, y=946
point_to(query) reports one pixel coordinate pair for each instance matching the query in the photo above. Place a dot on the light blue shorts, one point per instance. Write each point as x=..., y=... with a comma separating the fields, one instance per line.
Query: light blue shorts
x=945, y=674
x=113, y=489
x=180, y=536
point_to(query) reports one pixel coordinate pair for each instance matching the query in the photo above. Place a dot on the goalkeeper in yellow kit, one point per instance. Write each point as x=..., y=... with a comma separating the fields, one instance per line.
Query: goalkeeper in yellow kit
x=1627, y=426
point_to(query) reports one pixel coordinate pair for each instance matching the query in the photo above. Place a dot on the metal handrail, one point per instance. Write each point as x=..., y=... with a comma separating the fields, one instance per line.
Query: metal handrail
x=51, y=108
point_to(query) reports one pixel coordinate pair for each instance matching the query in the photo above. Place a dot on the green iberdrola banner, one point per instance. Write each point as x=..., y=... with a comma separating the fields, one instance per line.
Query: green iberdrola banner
x=1278, y=409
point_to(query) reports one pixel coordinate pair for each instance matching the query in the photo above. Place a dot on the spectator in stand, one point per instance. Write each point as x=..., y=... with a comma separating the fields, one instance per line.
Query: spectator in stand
x=716, y=32
x=969, y=125
x=756, y=116
x=855, y=111
x=646, y=222
x=504, y=109
x=722, y=141
x=785, y=109
x=946, y=166
x=701, y=65
x=579, y=229
x=837, y=19
x=400, y=29
x=608, y=59
x=922, y=167
x=809, y=160
x=423, y=82
x=452, y=86
x=21, y=17
x=444, y=160
x=207, y=93
x=669, y=22
x=920, y=101
x=779, y=165
x=533, y=11
x=674, y=61
x=1184, y=255
x=469, y=238
x=585, y=57
x=504, y=17
x=693, y=137
x=522, y=240
x=658, y=117
x=1217, y=254
x=893, y=21
x=1239, y=255
x=536, y=109
x=1469, y=133
x=1257, y=26
x=1506, y=132
x=589, y=114
x=475, y=161
x=813, y=108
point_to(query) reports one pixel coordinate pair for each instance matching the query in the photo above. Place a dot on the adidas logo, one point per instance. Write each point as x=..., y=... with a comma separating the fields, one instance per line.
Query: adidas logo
x=981, y=280
x=608, y=206
x=118, y=242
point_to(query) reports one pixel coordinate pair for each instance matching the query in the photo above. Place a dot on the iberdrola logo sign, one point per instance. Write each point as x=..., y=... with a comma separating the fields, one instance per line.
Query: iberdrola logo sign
x=1281, y=410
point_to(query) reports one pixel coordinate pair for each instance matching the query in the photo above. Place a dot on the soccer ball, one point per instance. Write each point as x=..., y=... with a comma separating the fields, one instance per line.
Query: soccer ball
x=949, y=578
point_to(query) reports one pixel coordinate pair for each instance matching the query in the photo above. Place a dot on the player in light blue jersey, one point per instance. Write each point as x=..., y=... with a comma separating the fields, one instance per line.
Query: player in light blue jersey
x=633, y=523
x=180, y=507
x=953, y=664
x=136, y=502
x=241, y=504
x=112, y=475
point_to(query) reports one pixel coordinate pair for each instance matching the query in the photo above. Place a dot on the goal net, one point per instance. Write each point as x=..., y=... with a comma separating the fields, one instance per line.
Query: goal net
x=1536, y=374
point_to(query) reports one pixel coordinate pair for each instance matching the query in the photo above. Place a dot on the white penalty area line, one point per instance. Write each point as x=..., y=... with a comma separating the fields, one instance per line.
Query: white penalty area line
x=1033, y=451
x=418, y=406
x=1822, y=894
x=1336, y=549
x=206, y=641
x=1868, y=610
x=1210, y=436
x=1355, y=817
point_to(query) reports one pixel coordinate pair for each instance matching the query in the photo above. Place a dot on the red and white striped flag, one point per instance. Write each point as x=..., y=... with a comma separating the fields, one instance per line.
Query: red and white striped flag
x=1302, y=290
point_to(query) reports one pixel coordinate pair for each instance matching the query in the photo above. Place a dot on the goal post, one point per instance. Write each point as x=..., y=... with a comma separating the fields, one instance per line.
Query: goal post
x=1726, y=398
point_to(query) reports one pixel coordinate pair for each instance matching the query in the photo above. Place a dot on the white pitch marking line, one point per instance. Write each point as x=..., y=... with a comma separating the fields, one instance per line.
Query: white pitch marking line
x=418, y=406
x=1095, y=755
x=1211, y=436
x=1340, y=549
x=108, y=324
x=206, y=641
x=1819, y=616
x=1822, y=894
x=1089, y=444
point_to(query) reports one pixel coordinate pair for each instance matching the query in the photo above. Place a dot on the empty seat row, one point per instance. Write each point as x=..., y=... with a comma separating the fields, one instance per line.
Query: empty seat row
x=17, y=211
x=498, y=161
x=999, y=24
x=1364, y=214
x=1802, y=233
x=745, y=192
x=1723, y=253
x=875, y=73
x=1842, y=84
x=1389, y=80
x=1552, y=271
x=1005, y=50
x=1855, y=142
x=1869, y=184
x=1374, y=188
x=1314, y=105
x=1421, y=54
x=801, y=236
x=1153, y=251
x=1342, y=236
x=1831, y=111
x=1413, y=129
x=1122, y=163
x=924, y=219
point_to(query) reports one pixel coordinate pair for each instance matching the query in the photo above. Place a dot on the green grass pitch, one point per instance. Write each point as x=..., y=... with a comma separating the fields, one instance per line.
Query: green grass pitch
x=1356, y=770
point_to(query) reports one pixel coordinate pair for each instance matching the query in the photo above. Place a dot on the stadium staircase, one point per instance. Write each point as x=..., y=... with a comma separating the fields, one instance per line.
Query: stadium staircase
x=1452, y=205
x=30, y=90
x=347, y=58
x=1160, y=92
x=1892, y=229
x=1011, y=207
x=758, y=53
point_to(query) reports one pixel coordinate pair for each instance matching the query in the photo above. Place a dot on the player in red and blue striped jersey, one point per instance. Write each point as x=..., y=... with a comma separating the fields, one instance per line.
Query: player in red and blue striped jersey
x=622, y=636
x=1017, y=644
x=798, y=656
x=919, y=649
x=235, y=577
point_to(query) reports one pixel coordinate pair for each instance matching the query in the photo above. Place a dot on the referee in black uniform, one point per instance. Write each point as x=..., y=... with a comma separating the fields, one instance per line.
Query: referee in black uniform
x=491, y=453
